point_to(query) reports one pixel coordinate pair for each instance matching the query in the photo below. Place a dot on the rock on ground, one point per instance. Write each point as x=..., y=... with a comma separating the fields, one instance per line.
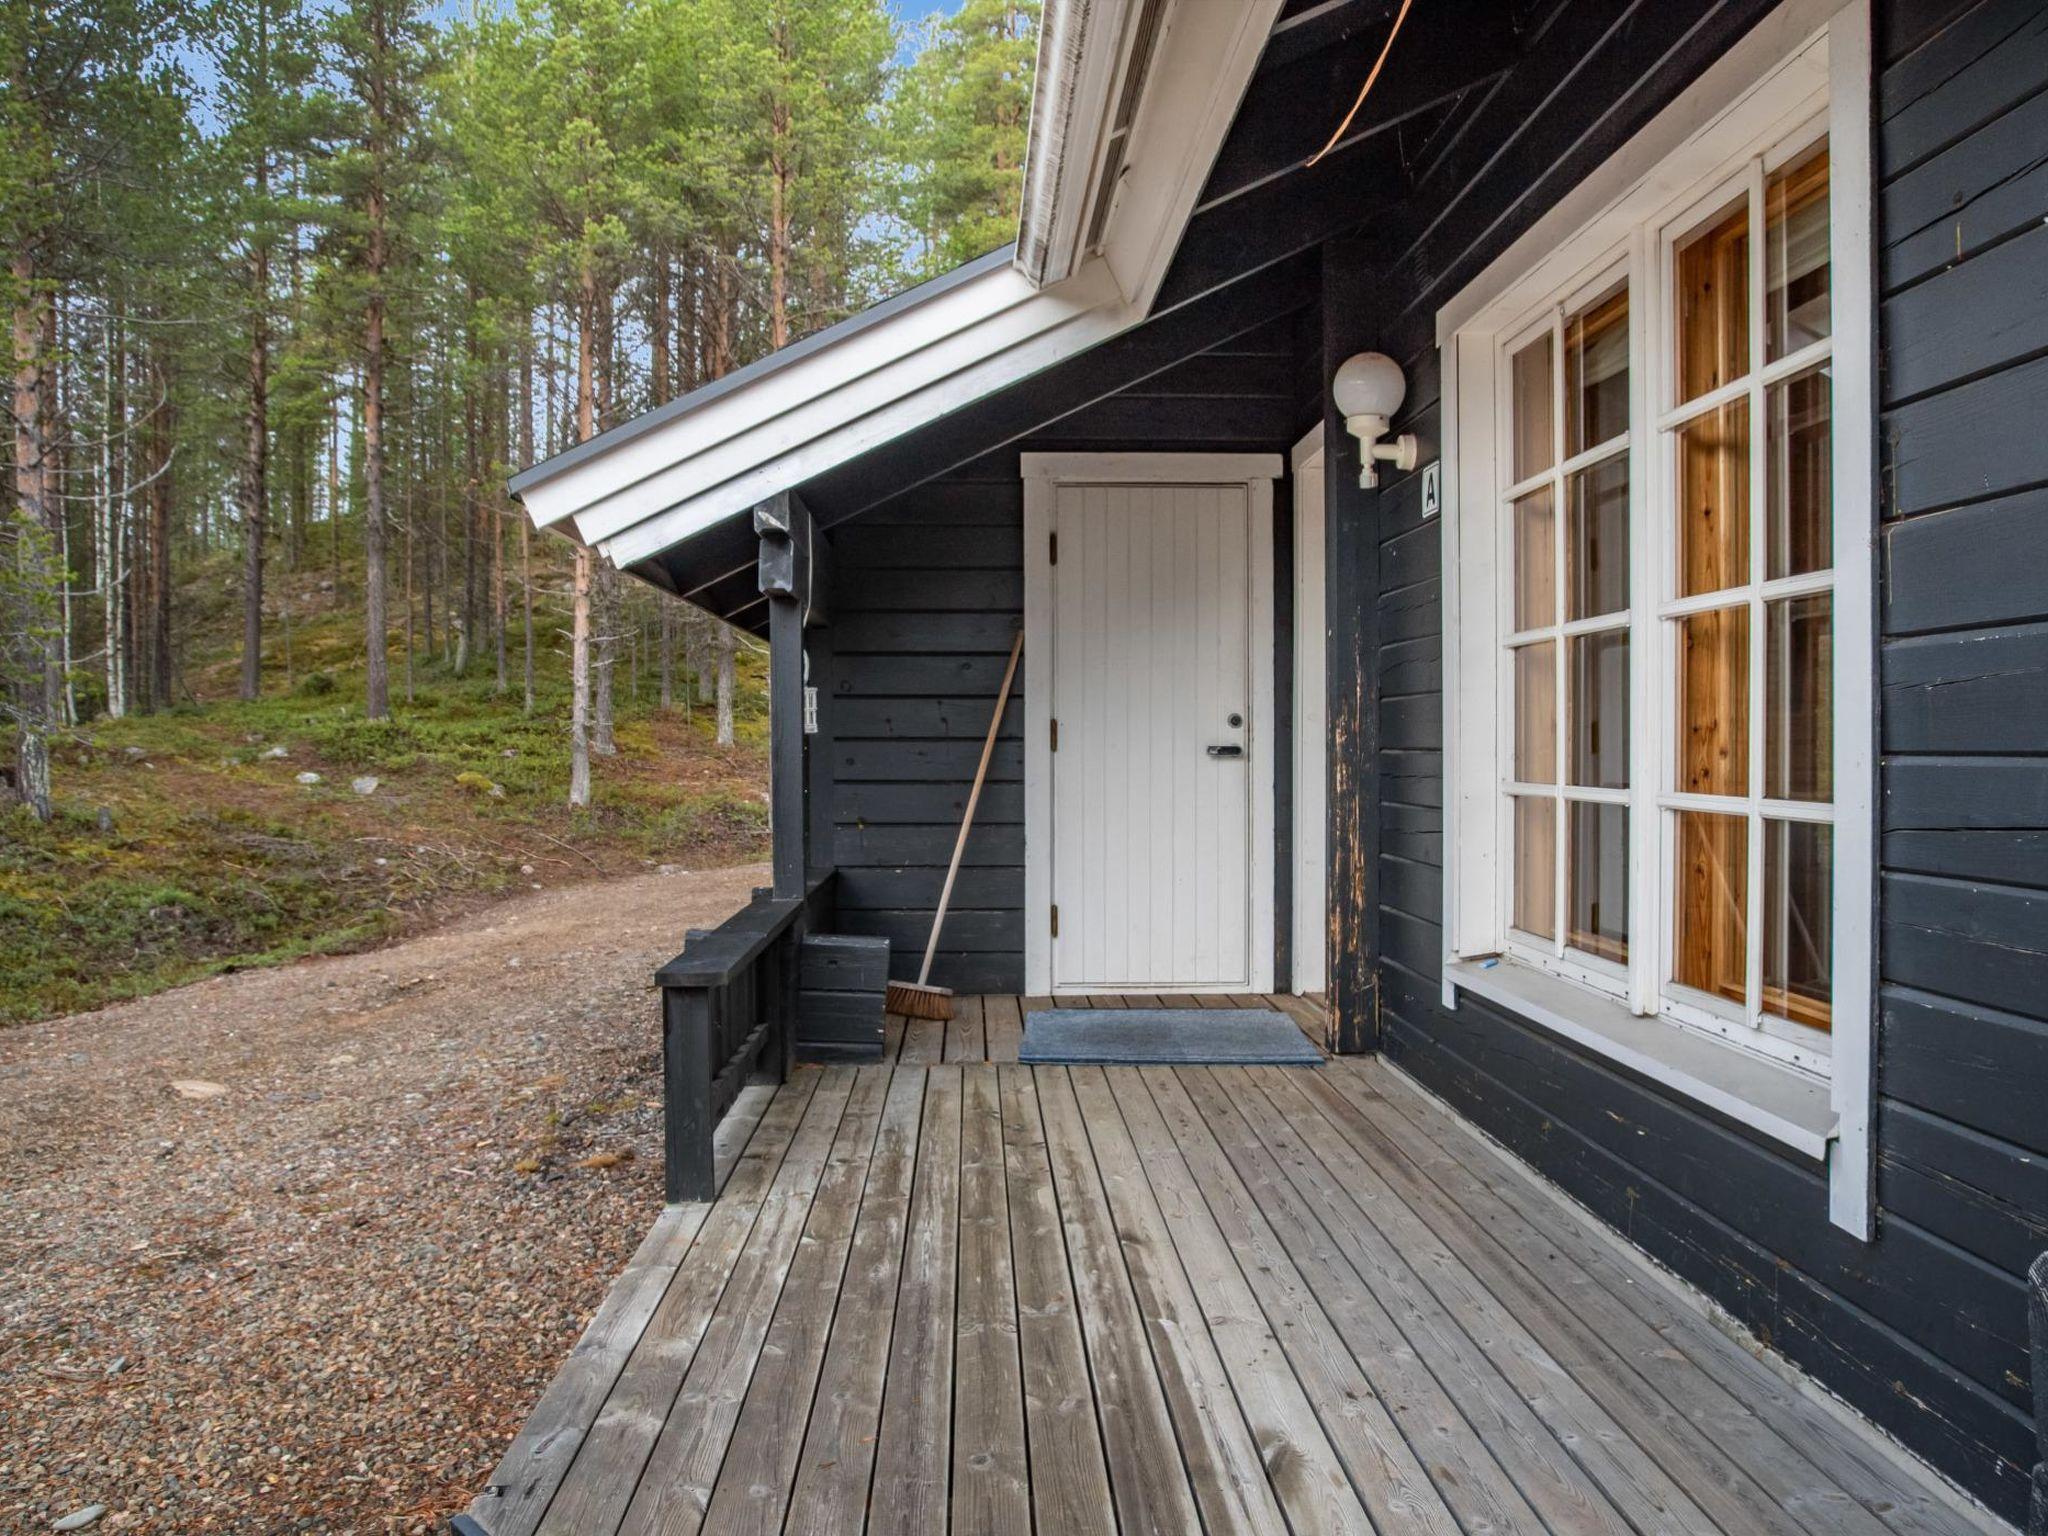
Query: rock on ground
x=326, y=1298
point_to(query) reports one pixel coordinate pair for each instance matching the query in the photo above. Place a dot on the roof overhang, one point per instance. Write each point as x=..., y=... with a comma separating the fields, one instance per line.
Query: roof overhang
x=1133, y=103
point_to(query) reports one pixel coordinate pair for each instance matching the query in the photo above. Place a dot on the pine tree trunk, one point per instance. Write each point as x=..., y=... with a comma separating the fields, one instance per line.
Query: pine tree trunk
x=255, y=465
x=376, y=624
x=603, y=742
x=725, y=684
x=579, y=634
x=162, y=494
x=668, y=654
x=32, y=504
x=778, y=193
x=525, y=522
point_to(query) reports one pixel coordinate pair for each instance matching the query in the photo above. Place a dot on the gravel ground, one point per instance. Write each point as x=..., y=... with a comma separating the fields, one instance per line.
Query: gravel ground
x=297, y=1249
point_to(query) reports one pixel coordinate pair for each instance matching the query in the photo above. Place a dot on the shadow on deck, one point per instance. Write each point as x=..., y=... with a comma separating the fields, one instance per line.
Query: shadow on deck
x=950, y=1293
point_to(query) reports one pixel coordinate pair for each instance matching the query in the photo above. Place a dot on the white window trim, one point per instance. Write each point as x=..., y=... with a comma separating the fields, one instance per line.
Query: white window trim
x=1809, y=58
x=1044, y=474
x=1310, y=951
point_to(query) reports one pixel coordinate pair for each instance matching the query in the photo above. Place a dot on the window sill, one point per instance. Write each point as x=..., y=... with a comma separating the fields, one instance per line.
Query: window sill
x=1777, y=1102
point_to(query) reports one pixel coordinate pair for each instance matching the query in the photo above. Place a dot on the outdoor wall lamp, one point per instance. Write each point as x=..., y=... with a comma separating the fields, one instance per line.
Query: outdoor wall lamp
x=1368, y=390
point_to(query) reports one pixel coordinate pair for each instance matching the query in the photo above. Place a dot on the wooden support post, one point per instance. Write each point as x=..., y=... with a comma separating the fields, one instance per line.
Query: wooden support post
x=1352, y=564
x=688, y=1068
x=785, y=578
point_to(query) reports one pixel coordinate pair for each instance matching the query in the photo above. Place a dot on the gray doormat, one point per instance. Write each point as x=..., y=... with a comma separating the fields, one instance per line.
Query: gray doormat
x=1238, y=1037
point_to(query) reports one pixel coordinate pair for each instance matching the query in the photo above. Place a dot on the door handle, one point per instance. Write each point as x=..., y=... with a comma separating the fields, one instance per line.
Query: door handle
x=1227, y=749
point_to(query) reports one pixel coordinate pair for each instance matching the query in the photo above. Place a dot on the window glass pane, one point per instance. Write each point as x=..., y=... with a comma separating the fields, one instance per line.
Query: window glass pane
x=1713, y=500
x=1596, y=373
x=1712, y=286
x=1536, y=865
x=1534, y=408
x=1799, y=693
x=1799, y=879
x=1796, y=299
x=1536, y=713
x=1799, y=463
x=1535, y=560
x=1713, y=695
x=1596, y=558
x=1597, y=880
x=1599, y=709
x=1712, y=900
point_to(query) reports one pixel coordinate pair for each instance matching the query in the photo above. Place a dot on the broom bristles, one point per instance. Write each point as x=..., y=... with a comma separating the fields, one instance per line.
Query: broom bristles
x=916, y=1001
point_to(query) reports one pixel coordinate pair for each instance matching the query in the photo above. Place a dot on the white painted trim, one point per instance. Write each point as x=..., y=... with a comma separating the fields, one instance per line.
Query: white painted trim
x=1044, y=474
x=1788, y=1106
x=1311, y=932
x=1083, y=57
x=1852, y=178
x=1809, y=60
x=1201, y=64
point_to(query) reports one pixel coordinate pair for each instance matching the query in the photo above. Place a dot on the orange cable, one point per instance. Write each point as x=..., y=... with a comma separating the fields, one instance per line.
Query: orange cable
x=1366, y=89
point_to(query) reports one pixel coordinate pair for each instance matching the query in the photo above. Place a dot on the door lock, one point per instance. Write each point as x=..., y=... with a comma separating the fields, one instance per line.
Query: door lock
x=1226, y=749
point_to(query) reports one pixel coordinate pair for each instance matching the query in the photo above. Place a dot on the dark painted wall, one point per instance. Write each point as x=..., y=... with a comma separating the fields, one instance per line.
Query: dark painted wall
x=928, y=591
x=1924, y=1330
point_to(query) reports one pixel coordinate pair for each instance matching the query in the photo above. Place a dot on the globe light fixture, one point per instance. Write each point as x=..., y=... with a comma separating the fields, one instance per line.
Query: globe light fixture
x=1368, y=390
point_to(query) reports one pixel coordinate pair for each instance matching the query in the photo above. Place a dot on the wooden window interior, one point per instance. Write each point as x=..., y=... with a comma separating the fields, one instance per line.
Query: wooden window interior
x=1752, y=575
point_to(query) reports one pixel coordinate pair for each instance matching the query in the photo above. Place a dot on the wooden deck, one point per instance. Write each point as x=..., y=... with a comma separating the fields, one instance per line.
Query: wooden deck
x=951, y=1292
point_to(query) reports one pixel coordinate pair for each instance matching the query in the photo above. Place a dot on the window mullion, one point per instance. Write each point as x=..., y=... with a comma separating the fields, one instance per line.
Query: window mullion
x=1759, y=435
x=1646, y=649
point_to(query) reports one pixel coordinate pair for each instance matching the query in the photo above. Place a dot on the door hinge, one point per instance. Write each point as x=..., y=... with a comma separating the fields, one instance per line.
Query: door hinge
x=1055, y=735
x=1053, y=543
x=1055, y=919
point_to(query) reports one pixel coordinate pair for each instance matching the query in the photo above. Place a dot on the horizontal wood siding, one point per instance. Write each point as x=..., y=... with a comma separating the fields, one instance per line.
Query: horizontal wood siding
x=1925, y=1329
x=929, y=591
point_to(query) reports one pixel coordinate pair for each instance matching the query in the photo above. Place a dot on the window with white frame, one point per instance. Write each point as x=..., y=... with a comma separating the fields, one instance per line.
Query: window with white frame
x=1658, y=650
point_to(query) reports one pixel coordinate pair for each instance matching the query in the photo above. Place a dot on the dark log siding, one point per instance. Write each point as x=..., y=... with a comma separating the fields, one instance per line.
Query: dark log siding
x=1924, y=1330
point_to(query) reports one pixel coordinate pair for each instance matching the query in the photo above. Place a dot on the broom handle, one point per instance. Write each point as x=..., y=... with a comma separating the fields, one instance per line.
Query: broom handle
x=988, y=748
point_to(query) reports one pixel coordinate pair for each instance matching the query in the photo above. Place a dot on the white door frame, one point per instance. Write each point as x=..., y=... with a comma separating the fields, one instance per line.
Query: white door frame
x=1044, y=474
x=1311, y=927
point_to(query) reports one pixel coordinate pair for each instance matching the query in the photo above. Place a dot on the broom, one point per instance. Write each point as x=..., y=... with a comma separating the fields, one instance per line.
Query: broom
x=917, y=999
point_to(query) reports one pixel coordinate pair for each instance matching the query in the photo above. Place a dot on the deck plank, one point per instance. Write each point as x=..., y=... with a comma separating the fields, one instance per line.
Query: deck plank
x=991, y=1468
x=913, y=1450
x=607, y=1467
x=1757, y=1488
x=1147, y=1479
x=533, y=1466
x=1832, y=1484
x=1516, y=1430
x=966, y=1039
x=924, y=1042
x=830, y=1496
x=1213, y=1216
x=1284, y=1367
x=1222, y=1451
x=1639, y=1488
x=1003, y=1018
x=1476, y=1487
x=747, y=1415
x=1069, y=1479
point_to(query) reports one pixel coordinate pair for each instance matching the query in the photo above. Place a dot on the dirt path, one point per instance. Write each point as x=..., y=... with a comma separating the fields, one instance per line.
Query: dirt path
x=318, y=1288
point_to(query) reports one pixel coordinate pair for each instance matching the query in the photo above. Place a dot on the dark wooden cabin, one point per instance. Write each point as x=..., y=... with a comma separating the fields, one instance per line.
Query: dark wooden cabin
x=1652, y=765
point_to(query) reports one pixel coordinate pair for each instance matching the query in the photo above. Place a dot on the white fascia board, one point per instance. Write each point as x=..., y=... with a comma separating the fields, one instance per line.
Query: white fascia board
x=840, y=367
x=1201, y=64
x=1081, y=48
x=941, y=359
x=1051, y=326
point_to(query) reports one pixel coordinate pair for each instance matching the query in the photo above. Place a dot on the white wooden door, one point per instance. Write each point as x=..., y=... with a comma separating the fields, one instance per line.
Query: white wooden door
x=1151, y=780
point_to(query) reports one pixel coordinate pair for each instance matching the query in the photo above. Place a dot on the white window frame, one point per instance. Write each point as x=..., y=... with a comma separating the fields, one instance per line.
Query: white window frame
x=1805, y=70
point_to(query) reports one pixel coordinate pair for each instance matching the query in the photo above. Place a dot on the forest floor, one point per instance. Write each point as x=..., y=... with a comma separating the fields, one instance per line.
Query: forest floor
x=224, y=834
x=297, y=1249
